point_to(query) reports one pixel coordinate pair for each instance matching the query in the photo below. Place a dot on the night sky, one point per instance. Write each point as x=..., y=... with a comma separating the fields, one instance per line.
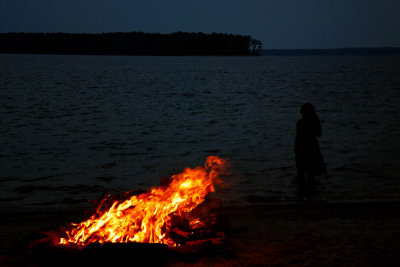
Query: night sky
x=279, y=24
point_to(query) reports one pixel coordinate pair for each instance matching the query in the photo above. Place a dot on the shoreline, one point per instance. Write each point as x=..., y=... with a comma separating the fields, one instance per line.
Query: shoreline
x=83, y=206
x=299, y=234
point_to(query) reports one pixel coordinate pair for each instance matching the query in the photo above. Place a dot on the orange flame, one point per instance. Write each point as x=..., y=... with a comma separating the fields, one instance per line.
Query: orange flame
x=147, y=217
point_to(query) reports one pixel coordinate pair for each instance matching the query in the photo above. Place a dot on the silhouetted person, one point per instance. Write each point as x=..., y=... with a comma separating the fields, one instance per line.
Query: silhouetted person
x=309, y=161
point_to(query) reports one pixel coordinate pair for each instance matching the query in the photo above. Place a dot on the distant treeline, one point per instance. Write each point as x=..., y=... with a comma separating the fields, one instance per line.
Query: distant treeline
x=337, y=51
x=131, y=43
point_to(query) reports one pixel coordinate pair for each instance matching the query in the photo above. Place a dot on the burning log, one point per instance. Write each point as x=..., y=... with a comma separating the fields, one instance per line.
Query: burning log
x=180, y=232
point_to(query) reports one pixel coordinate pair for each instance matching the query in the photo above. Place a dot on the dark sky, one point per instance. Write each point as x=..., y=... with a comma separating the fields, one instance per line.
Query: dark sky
x=277, y=23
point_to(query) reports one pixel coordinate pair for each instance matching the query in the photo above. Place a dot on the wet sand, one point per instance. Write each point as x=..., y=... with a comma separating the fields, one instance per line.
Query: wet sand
x=300, y=234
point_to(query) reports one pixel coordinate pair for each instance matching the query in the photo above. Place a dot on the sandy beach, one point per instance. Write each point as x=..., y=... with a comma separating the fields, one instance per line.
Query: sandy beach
x=299, y=234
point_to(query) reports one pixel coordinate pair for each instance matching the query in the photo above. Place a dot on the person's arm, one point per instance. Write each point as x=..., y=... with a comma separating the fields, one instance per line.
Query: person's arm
x=297, y=135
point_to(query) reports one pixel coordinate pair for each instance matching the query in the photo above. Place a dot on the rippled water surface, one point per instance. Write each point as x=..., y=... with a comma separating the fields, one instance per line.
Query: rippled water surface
x=72, y=127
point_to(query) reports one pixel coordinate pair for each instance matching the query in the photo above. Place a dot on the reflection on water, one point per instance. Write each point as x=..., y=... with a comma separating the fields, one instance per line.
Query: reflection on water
x=74, y=126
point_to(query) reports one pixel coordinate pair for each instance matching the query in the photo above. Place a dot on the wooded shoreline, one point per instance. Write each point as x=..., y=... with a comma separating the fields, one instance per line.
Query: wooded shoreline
x=129, y=43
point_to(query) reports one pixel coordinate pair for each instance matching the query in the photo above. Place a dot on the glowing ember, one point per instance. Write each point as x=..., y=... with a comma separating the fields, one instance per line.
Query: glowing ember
x=148, y=217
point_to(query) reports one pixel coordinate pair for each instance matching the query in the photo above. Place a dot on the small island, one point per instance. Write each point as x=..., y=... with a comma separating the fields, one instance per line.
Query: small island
x=129, y=43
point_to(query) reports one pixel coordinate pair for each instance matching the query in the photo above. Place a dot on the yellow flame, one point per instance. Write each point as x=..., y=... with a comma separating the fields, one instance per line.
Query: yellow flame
x=147, y=217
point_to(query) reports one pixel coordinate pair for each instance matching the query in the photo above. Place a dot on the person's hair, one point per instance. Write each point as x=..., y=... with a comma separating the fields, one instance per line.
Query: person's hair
x=308, y=110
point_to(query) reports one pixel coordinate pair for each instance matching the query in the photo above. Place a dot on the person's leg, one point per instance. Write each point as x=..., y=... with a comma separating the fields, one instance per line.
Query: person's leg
x=311, y=189
x=301, y=181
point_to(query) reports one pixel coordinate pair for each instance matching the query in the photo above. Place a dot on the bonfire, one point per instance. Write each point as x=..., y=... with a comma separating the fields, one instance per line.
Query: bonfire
x=162, y=215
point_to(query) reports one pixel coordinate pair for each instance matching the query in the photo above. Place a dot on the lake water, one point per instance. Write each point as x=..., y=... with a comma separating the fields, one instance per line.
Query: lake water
x=72, y=127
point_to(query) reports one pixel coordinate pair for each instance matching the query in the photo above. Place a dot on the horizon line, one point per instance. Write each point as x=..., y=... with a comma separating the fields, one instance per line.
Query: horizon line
x=263, y=49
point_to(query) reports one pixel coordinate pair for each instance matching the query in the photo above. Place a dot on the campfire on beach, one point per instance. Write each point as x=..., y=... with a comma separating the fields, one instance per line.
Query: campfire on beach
x=179, y=214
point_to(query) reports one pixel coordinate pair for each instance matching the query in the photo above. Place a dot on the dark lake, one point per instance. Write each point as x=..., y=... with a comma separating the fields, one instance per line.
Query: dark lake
x=73, y=127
